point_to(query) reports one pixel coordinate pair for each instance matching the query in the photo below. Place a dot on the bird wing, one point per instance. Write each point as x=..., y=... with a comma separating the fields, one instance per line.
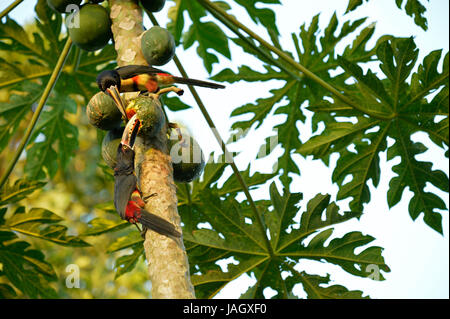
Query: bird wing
x=128, y=71
x=124, y=186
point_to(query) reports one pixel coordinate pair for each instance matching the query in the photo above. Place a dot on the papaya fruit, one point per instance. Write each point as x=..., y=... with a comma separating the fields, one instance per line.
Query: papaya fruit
x=149, y=112
x=153, y=5
x=158, y=46
x=188, y=160
x=61, y=5
x=102, y=112
x=90, y=27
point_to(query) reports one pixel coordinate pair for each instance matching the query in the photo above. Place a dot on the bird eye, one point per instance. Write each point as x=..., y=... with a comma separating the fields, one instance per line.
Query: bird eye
x=107, y=79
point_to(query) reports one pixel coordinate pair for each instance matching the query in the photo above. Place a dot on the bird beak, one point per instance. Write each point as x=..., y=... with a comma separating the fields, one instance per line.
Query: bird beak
x=130, y=132
x=114, y=93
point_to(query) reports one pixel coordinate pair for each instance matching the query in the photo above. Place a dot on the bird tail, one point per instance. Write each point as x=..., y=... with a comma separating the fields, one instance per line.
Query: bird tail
x=198, y=83
x=157, y=224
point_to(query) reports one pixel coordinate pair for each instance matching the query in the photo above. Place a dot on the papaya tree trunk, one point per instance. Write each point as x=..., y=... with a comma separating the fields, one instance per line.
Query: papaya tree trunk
x=166, y=257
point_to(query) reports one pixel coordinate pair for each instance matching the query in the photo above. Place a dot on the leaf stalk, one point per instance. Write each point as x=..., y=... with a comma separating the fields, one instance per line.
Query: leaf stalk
x=228, y=156
x=214, y=9
x=10, y=8
x=48, y=89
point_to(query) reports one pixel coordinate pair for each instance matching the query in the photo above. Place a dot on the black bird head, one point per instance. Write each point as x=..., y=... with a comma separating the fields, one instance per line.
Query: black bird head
x=108, y=78
x=109, y=82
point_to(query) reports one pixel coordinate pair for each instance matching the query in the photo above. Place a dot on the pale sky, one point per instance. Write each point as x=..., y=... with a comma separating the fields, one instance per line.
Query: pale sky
x=417, y=255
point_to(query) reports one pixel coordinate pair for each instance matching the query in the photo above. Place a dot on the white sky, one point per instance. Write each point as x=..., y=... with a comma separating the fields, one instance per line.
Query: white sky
x=417, y=255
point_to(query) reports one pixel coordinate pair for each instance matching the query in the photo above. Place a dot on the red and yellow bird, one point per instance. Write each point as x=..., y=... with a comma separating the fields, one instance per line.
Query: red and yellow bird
x=128, y=199
x=135, y=78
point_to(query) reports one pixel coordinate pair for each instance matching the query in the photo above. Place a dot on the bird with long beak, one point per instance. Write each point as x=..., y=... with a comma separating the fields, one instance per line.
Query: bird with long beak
x=128, y=199
x=137, y=78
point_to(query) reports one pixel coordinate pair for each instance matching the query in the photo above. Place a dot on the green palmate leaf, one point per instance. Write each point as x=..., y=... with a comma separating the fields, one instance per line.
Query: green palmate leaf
x=393, y=108
x=353, y=4
x=232, y=234
x=80, y=73
x=413, y=8
x=415, y=174
x=42, y=50
x=25, y=268
x=232, y=186
x=56, y=130
x=14, y=111
x=335, y=138
x=317, y=53
x=39, y=49
x=362, y=165
x=314, y=286
x=55, y=139
x=99, y=226
x=175, y=104
x=127, y=263
x=19, y=190
x=264, y=16
x=42, y=223
x=128, y=241
x=7, y=292
x=246, y=73
x=207, y=34
x=213, y=171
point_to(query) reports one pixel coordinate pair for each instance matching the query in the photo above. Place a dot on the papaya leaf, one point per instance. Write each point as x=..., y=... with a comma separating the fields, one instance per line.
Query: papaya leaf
x=55, y=139
x=42, y=224
x=413, y=8
x=207, y=34
x=396, y=109
x=25, y=268
x=314, y=286
x=353, y=4
x=19, y=190
x=127, y=263
x=175, y=104
x=99, y=226
x=56, y=130
x=263, y=16
x=213, y=171
x=128, y=241
x=7, y=292
x=15, y=110
x=232, y=234
x=317, y=53
x=415, y=175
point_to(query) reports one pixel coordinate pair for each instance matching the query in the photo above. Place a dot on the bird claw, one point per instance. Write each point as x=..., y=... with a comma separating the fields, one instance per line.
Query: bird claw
x=143, y=231
x=178, y=91
x=180, y=135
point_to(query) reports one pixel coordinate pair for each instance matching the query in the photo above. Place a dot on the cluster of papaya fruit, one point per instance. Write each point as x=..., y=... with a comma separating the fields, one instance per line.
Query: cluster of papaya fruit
x=91, y=32
x=187, y=157
x=89, y=27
